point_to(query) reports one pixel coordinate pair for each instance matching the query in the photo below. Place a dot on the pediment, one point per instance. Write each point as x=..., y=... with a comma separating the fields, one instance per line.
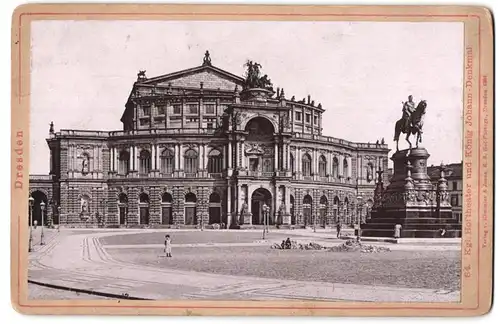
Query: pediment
x=212, y=78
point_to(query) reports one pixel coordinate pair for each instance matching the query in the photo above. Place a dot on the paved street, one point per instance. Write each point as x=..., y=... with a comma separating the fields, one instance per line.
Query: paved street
x=77, y=259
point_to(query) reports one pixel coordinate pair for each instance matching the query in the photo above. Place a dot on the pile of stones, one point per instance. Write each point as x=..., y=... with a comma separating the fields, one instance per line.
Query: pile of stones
x=348, y=246
x=354, y=246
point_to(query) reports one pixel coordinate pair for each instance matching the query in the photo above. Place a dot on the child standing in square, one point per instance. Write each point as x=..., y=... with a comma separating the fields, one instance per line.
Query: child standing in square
x=168, y=246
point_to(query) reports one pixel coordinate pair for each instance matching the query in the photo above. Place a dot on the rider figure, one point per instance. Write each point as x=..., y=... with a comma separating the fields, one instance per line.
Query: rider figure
x=408, y=109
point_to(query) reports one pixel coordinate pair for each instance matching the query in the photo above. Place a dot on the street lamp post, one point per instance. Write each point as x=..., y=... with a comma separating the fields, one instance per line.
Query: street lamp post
x=314, y=223
x=58, y=217
x=265, y=209
x=42, y=206
x=31, y=204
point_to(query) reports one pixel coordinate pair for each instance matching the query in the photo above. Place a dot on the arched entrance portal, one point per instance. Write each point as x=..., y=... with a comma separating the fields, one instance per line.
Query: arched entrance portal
x=38, y=197
x=214, y=209
x=122, y=208
x=190, y=209
x=144, y=209
x=166, y=209
x=260, y=197
x=306, y=209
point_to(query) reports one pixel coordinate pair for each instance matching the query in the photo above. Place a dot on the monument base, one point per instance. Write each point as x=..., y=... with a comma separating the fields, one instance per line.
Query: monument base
x=412, y=201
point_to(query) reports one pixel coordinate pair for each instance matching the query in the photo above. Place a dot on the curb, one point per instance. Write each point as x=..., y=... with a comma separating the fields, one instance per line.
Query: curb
x=86, y=291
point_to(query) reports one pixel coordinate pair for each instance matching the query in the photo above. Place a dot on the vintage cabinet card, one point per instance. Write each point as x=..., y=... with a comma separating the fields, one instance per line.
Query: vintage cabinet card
x=252, y=160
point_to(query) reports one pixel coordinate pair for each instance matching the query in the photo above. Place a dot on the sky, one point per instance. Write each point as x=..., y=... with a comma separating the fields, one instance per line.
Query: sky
x=82, y=72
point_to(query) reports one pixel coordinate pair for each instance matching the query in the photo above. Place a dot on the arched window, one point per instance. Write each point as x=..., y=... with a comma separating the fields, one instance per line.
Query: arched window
x=346, y=168
x=190, y=161
x=123, y=163
x=322, y=166
x=144, y=162
x=167, y=163
x=292, y=163
x=306, y=165
x=335, y=168
x=214, y=161
x=166, y=198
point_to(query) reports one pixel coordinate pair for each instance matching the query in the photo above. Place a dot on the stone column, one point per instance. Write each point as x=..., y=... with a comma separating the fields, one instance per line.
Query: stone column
x=200, y=157
x=237, y=153
x=287, y=219
x=158, y=153
x=205, y=155
x=276, y=203
x=341, y=165
x=275, y=156
x=181, y=157
x=176, y=157
x=229, y=206
x=243, y=158
x=349, y=167
x=229, y=156
x=115, y=159
x=131, y=159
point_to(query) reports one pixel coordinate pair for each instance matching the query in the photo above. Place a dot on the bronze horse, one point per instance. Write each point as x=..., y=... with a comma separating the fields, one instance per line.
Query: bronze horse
x=416, y=124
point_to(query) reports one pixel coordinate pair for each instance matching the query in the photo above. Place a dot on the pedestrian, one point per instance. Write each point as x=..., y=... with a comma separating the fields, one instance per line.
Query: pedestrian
x=288, y=243
x=168, y=246
x=339, y=228
x=397, y=231
x=35, y=222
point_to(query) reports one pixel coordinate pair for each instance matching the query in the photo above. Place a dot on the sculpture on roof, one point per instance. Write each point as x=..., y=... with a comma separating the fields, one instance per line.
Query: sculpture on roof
x=141, y=75
x=207, y=60
x=253, y=78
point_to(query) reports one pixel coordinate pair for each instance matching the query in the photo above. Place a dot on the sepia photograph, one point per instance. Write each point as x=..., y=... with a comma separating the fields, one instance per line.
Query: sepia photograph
x=248, y=161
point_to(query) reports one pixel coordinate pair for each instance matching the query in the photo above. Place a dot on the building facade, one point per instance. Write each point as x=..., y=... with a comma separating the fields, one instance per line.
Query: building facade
x=203, y=146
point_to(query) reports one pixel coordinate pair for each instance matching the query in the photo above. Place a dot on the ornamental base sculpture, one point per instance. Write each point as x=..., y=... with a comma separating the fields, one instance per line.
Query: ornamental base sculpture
x=412, y=201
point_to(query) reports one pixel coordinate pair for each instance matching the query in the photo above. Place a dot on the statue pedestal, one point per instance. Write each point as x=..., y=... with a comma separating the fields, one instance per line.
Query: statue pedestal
x=411, y=201
x=247, y=218
x=287, y=219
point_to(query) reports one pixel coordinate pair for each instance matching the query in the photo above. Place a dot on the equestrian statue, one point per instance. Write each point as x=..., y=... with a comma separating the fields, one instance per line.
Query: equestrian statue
x=412, y=121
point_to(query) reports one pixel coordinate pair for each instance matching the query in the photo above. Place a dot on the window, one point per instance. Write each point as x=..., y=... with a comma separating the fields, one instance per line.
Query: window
x=146, y=110
x=177, y=109
x=308, y=118
x=190, y=161
x=454, y=183
x=210, y=109
x=346, y=167
x=335, y=168
x=193, y=108
x=210, y=125
x=144, y=162
x=268, y=165
x=454, y=200
x=254, y=164
x=315, y=120
x=214, y=161
x=167, y=162
x=123, y=162
x=298, y=115
x=306, y=165
x=143, y=122
x=292, y=163
x=322, y=166
x=161, y=110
